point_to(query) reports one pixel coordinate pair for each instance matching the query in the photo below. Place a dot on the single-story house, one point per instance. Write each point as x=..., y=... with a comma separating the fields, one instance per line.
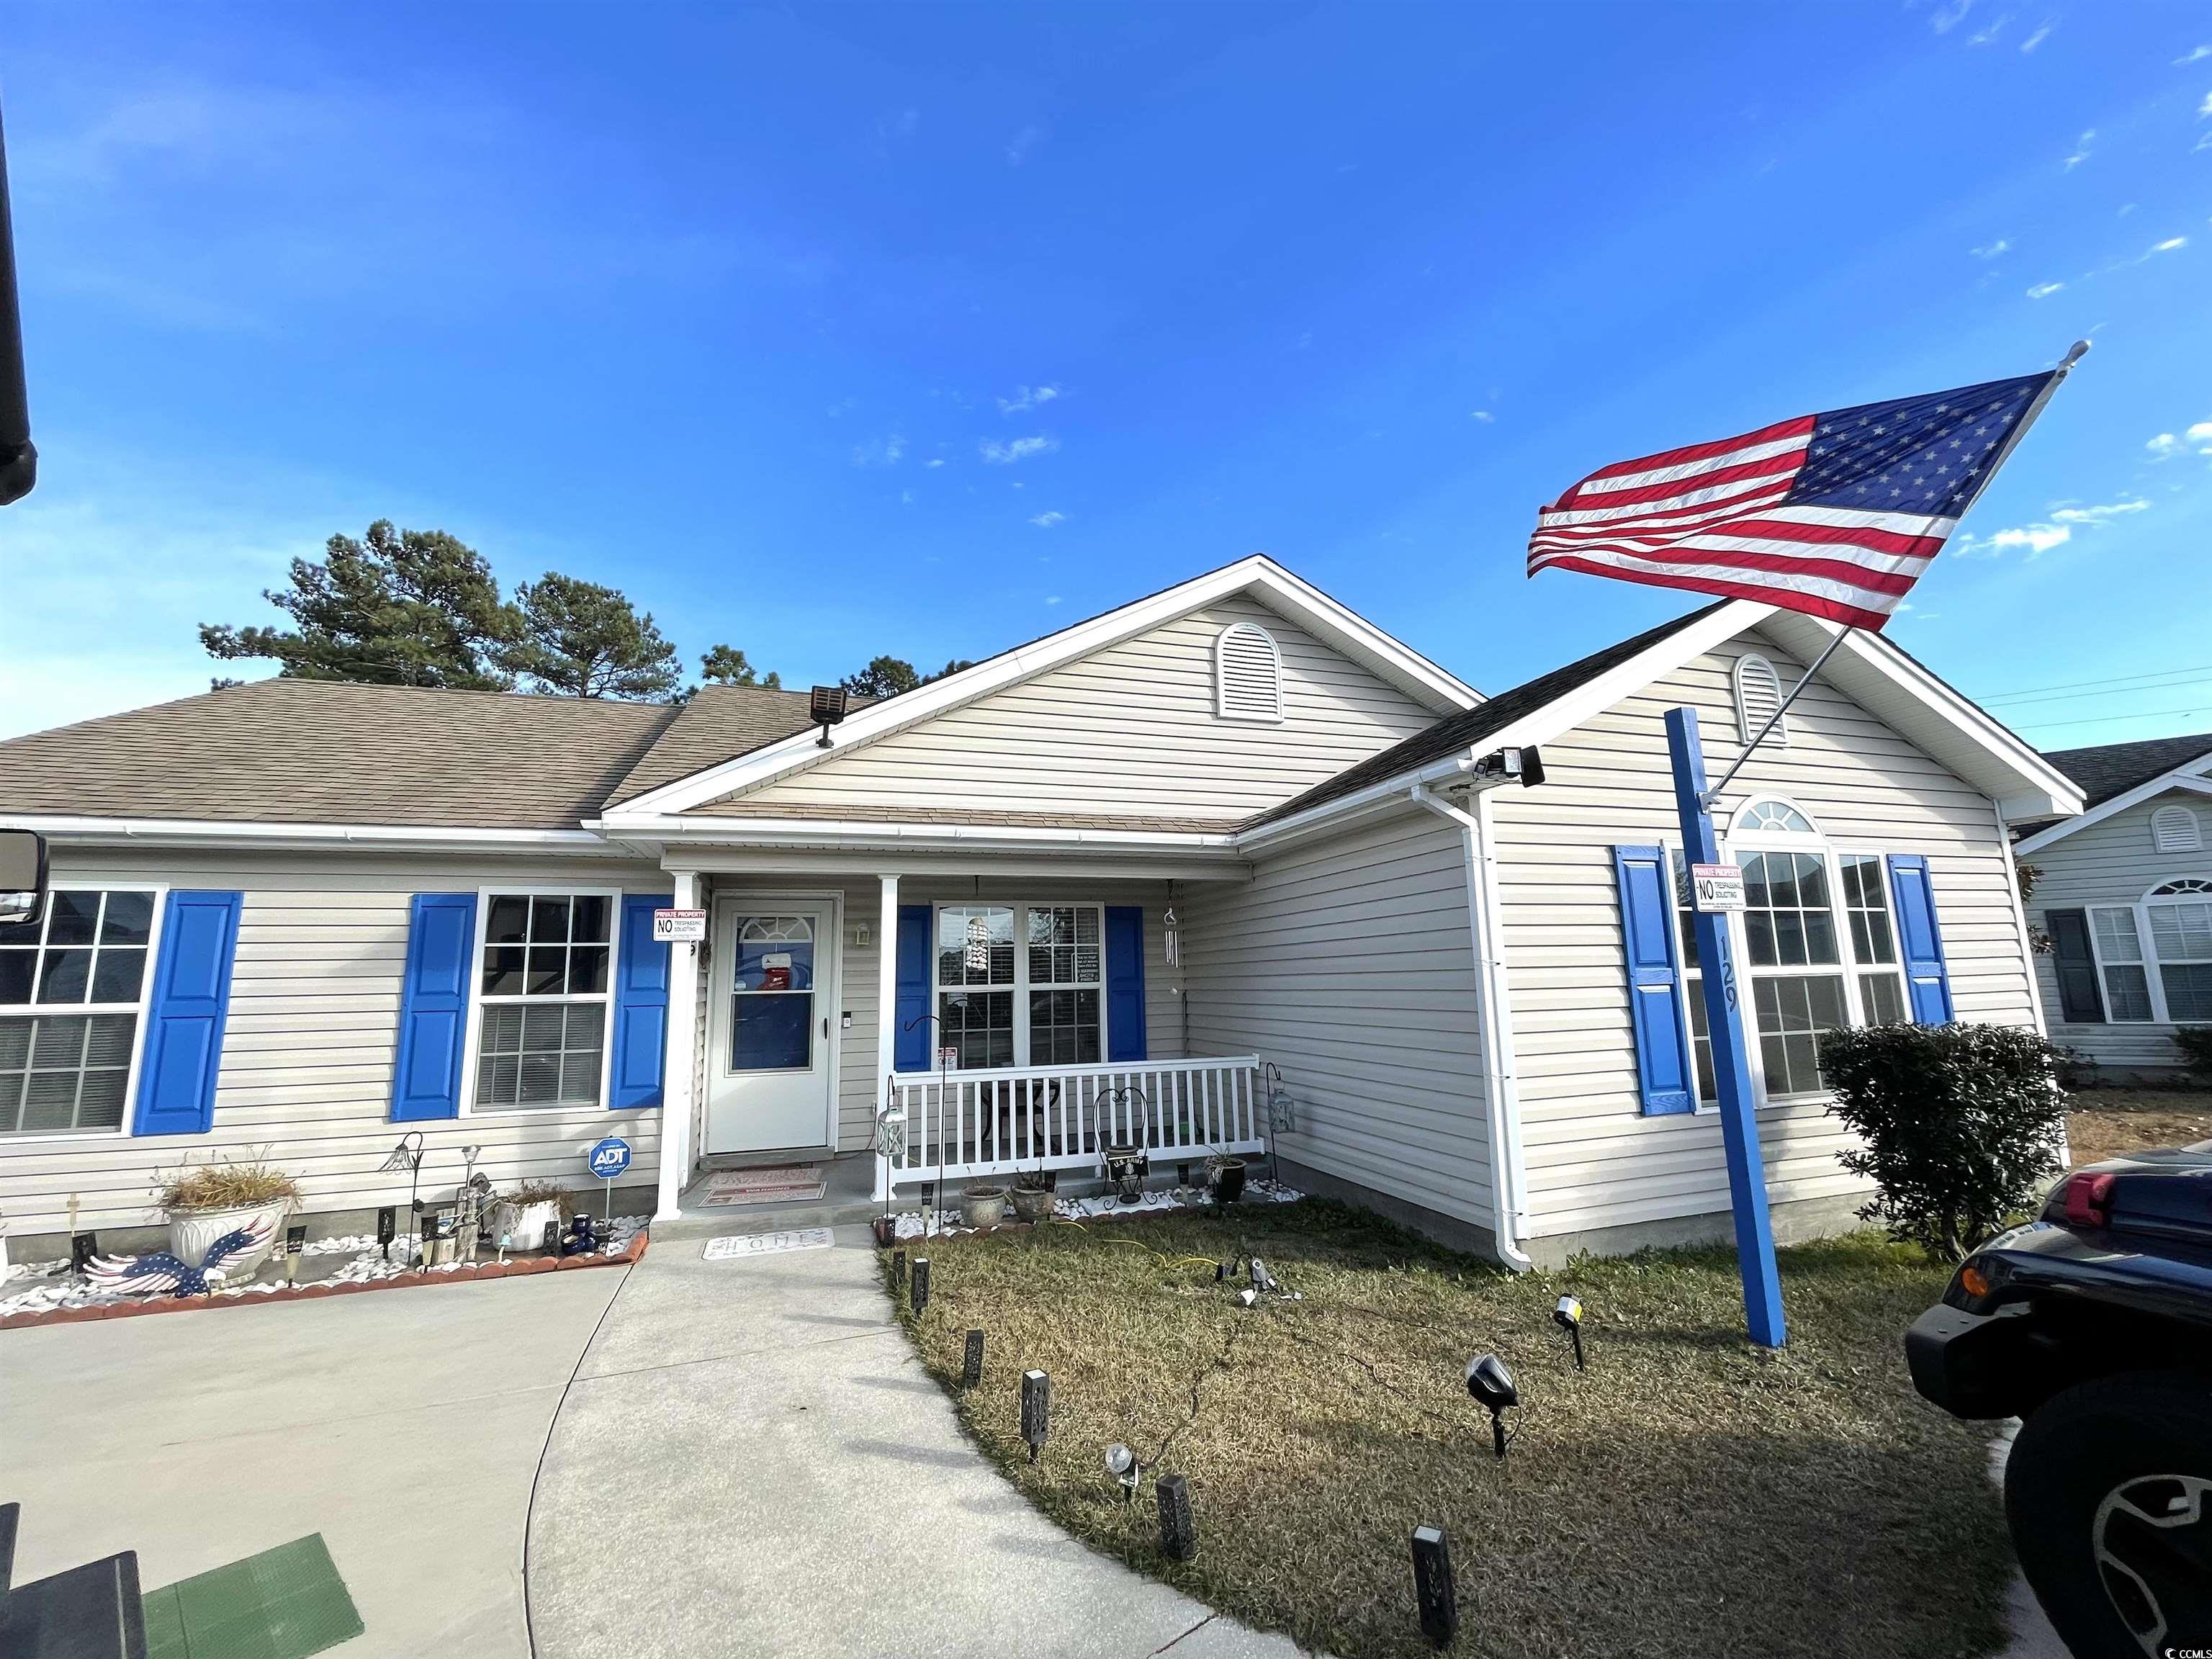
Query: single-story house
x=2123, y=890
x=1219, y=869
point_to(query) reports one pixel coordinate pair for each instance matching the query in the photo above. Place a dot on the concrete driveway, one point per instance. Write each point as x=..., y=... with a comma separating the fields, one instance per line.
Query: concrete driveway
x=404, y=1426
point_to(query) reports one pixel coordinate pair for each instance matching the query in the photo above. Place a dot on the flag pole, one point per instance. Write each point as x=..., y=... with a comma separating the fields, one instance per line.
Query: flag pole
x=2074, y=353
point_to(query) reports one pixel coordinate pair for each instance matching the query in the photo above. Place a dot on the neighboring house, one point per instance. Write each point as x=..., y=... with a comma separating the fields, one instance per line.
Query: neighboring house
x=2125, y=893
x=1215, y=859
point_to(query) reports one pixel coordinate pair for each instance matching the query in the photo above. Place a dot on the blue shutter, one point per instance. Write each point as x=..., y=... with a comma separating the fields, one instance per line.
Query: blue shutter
x=184, y=1016
x=1926, y=978
x=911, y=1033
x=1665, y=1081
x=641, y=1004
x=1125, y=982
x=433, y=1007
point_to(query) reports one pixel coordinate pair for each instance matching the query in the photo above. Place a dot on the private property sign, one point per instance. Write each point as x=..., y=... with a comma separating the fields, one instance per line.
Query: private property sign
x=1716, y=888
x=679, y=927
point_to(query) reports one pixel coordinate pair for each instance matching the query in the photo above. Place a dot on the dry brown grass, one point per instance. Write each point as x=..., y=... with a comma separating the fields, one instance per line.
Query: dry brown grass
x=227, y=1187
x=1683, y=1496
x=2106, y=1122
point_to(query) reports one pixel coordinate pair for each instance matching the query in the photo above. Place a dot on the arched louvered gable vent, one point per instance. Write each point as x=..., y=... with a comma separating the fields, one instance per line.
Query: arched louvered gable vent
x=1757, y=694
x=1248, y=674
x=2176, y=829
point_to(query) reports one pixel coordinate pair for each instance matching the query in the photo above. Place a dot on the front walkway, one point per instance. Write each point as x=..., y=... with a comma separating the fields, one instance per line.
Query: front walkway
x=751, y=1462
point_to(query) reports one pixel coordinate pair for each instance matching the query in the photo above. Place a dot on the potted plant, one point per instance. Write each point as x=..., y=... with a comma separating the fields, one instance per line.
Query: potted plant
x=520, y=1219
x=1224, y=1176
x=984, y=1206
x=206, y=1204
x=1033, y=1194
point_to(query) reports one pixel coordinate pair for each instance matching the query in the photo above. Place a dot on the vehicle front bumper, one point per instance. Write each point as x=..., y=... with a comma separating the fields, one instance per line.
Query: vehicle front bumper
x=1972, y=1364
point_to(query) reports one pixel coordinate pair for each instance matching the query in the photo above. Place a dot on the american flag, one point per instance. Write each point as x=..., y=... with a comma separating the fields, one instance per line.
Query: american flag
x=1835, y=514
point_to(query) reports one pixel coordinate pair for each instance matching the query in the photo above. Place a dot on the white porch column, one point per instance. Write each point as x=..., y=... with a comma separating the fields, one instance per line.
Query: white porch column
x=676, y=1105
x=886, y=1013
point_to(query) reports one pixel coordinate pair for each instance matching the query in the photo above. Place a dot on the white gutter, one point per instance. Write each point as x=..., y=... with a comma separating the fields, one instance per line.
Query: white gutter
x=784, y=832
x=1376, y=795
x=220, y=833
x=1501, y=1088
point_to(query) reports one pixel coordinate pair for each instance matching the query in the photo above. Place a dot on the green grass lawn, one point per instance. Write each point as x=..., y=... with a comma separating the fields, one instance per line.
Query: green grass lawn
x=1683, y=1496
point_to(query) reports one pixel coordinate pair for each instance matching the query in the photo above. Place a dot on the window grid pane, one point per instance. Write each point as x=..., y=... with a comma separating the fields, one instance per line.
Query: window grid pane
x=2127, y=994
x=60, y=1072
x=1792, y=1010
x=66, y=1071
x=540, y=1055
x=542, y=1034
x=2188, y=990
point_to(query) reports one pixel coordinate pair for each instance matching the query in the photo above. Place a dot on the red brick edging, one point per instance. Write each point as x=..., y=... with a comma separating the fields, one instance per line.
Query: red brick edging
x=462, y=1275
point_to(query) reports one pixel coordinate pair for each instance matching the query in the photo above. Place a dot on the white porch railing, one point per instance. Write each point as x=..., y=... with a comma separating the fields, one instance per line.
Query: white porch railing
x=957, y=1125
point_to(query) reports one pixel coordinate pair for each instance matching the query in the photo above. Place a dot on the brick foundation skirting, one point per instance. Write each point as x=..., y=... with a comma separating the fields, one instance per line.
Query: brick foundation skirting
x=467, y=1274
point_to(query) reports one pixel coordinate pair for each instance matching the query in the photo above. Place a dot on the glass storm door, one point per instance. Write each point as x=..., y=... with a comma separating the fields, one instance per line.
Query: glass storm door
x=768, y=1079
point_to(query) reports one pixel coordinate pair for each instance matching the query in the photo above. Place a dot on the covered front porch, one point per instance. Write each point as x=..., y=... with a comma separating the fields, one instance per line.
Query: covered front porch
x=953, y=1018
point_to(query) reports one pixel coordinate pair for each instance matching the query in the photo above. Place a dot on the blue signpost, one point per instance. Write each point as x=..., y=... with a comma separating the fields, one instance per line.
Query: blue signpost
x=608, y=1158
x=1754, y=1231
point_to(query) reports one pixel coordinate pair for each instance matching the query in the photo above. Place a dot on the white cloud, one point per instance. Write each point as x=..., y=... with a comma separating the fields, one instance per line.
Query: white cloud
x=934, y=460
x=879, y=452
x=2195, y=55
x=1051, y=599
x=1047, y=520
x=1482, y=415
x=2036, y=39
x=906, y=498
x=2081, y=150
x=1949, y=16
x=2205, y=108
x=1020, y=449
x=2197, y=439
x=1019, y=146
x=2170, y=244
x=1983, y=37
x=2102, y=513
x=2002, y=245
x=1027, y=397
x=2044, y=290
x=2037, y=538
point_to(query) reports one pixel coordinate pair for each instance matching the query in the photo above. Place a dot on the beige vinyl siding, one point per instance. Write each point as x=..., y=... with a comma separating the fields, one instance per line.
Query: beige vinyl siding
x=860, y=1074
x=2114, y=861
x=1592, y=1160
x=1348, y=963
x=1128, y=730
x=305, y=1081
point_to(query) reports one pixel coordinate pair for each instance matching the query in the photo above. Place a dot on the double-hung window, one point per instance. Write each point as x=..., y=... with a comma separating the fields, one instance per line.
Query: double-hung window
x=1037, y=1004
x=2155, y=959
x=1816, y=940
x=543, y=994
x=72, y=997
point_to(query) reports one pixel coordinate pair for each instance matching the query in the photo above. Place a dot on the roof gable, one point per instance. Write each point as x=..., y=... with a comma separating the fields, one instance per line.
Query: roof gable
x=2113, y=769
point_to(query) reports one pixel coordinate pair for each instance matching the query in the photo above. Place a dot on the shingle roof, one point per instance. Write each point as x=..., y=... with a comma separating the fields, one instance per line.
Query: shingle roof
x=319, y=752
x=2113, y=769
x=720, y=723
x=1455, y=732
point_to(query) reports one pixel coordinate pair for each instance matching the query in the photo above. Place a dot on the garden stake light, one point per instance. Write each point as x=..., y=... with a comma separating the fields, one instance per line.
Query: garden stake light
x=1432, y=1585
x=1178, y=1526
x=898, y=1271
x=1036, y=1410
x=1568, y=1316
x=918, y=1286
x=82, y=1247
x=1491, y=1385
x=1121, y=1464
x=971, y=1360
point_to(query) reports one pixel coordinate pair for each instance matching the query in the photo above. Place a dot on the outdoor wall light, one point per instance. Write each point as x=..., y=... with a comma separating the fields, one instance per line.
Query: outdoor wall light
x=1121, y=1464
x=1491, y=1385
x=1036, y=1410
x=971, y=1360
x=1432, y=1585
x=918, y=1286
x=1178, y=1526
x=826, y=708
x=1568, y=1316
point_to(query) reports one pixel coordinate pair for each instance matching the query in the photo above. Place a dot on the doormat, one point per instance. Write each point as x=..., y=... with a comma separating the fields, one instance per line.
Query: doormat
x=284, y=1603
x=742, y=1246
x=782, y=1184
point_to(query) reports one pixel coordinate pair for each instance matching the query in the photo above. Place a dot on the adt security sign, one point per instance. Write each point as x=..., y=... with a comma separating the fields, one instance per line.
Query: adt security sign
x=609, y=1157
x=1716, y=889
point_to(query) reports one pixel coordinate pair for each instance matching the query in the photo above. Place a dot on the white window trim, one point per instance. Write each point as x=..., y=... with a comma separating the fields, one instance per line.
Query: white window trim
x=1688, y=982
x=469, y=1060
x=1747, y=728
x=1221, y=674
x=124, y=1130
x=1021, y=986
x=2147, y=941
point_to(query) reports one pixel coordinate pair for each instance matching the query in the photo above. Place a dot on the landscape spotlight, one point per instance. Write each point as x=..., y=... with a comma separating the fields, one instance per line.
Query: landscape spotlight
x=1491, y=1385
x=1568, y=1316
x=1036, y=1410
x=1262, y=1280
x=1121, y=1464
x=1432, y=1585
x=918, y=1285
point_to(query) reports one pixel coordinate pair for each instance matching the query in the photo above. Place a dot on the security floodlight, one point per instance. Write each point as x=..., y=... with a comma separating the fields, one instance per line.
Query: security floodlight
x=1121, y=1464
x=825, y=706
x=1523, y=765
x=1568, y=1316
x=1491, y=1385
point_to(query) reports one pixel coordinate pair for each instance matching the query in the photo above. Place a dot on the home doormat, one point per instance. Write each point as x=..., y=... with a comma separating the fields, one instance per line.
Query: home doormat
x=743, y=1247
x=781, y=1183
x=284, y=1603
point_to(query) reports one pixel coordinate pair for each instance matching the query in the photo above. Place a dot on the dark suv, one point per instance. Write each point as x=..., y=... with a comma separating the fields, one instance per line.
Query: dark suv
x=2095, y=1326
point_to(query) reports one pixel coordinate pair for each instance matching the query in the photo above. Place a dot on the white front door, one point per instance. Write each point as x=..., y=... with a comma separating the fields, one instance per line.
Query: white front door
x=770, y=1079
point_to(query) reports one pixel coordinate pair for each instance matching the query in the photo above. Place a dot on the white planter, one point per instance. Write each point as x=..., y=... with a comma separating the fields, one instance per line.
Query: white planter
x=522, y=1226
x=192, y=1234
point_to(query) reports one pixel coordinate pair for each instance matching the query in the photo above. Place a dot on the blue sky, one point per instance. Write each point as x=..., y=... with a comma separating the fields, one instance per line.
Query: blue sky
x=829, y=331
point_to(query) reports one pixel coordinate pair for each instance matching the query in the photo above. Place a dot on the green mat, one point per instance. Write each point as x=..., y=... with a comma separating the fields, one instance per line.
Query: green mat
x=284, y=1603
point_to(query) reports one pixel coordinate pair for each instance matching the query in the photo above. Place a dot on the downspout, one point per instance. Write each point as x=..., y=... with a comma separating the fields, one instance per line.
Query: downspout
x=1501, y=1090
